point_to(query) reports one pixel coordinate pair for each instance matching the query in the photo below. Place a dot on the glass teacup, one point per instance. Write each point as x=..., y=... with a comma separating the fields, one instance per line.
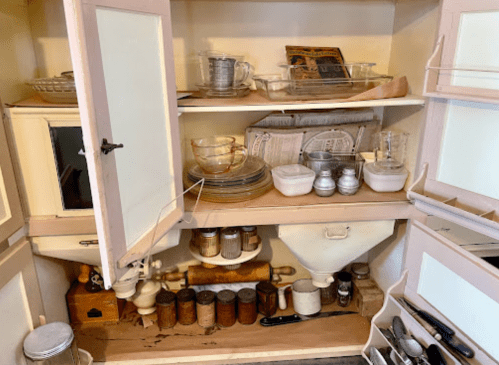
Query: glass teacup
x=218, y=154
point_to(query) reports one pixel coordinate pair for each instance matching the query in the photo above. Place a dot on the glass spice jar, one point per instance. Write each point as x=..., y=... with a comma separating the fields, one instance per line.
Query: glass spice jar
x=205, y=308
x=166, y=309
x=208, y=241
x=230, y=242
x=360, y=270
x=186, y=306
x=267, y=298
x=249, y=238
x=344, y=288
x=226, y=308
x=246, y=306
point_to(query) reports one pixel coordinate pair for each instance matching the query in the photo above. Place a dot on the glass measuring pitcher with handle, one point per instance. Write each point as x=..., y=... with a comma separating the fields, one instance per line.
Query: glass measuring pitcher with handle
x=390, y=150
x=221, y=71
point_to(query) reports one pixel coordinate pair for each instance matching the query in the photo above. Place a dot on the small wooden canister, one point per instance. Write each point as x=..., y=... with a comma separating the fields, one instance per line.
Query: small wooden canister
x=208, y=241
x=206, y=308
x=186, y=306
x=226, y=308
x=267, y=298
x=249, y=238
x=246, y=306
x=165, y=306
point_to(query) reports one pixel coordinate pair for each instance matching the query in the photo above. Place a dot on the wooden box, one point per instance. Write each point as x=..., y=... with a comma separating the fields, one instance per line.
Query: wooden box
x=85, y=307
x=368, y=297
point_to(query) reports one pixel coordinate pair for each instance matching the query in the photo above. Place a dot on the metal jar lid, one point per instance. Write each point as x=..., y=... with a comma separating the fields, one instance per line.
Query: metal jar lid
x=248, y=228
x=360, y=269
x=208, y=232
x=205, y=297
x=246, y=295
x=226, y=296
x=165, y=297
x=48, y=340
x=230, y=233
x=186, y=295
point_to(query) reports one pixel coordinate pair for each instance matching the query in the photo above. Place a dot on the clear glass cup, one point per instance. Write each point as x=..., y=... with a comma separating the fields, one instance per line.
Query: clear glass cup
x=390, y=150
x=218, y=154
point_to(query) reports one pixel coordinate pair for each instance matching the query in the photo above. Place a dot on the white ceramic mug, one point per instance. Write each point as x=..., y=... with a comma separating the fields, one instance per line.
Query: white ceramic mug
x=306, y=297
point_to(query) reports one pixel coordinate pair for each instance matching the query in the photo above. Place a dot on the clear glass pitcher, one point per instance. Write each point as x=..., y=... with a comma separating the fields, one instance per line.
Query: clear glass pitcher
x=390, y=150
x=221, y=71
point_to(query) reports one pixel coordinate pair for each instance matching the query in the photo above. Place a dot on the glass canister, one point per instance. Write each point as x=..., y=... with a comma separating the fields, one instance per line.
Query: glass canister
x=249, y=238
x=51, y=344
x=344, y=288
x=208, y=241
x=230, y=243
x=390, y=150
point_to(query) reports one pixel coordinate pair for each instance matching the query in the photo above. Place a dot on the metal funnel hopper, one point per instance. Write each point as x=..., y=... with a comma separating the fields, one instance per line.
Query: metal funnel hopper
x=326, y=248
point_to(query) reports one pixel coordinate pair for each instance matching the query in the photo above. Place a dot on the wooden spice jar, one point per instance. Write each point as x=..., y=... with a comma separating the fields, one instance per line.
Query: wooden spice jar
x=165, y=306
x=246, y=306
x=186, y=306
x=267, y=298
x=226, y=308
x=205, y=307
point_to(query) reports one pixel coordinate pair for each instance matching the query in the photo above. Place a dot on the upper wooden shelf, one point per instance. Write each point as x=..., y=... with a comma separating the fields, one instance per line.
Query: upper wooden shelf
x=275, y=208
x=255, y=102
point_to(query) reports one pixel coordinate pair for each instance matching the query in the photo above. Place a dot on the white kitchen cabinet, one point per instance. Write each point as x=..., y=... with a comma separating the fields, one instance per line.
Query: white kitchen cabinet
x=408, y=20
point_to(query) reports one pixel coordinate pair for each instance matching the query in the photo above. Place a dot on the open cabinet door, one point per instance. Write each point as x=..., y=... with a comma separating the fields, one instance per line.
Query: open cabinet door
x=123, y=63
x=20, y=298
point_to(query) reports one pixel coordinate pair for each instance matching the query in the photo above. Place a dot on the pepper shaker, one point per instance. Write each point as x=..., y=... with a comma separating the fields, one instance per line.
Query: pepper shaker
x=324, y=184
x=348, y=184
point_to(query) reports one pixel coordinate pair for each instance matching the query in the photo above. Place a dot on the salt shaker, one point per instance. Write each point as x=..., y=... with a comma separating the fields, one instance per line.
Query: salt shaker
x=348, y=184
x=230, y=242
x=324, y=184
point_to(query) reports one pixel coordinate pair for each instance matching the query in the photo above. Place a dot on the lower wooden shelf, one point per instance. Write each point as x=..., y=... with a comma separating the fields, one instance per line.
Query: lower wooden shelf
x=128, y=340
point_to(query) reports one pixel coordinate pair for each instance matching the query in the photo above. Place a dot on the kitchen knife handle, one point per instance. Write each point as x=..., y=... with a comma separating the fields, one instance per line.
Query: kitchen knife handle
x=274, y=321
x=458, y=346
x=439, y=326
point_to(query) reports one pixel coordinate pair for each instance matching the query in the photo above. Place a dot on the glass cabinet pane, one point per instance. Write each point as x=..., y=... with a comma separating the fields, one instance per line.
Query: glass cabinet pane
x=476, y=48
x=131, y=45
x=469, y=152
x=72, y=169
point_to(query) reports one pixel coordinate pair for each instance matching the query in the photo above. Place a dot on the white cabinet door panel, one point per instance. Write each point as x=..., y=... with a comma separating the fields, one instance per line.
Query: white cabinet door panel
x=123, y=63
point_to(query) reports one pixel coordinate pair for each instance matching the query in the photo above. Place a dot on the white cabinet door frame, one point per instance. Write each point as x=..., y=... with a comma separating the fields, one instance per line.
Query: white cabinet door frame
x=95, y=98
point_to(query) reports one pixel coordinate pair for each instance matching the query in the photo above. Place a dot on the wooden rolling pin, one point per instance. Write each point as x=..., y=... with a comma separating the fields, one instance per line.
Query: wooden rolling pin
x=248, y=272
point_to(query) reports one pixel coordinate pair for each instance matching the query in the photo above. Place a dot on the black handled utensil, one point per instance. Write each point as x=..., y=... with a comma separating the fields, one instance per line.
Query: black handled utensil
x=435, y=356
x=437, y=324
x=295, y=318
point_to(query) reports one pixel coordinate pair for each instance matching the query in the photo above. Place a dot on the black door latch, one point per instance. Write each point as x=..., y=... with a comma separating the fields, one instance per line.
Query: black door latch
x=108, y=147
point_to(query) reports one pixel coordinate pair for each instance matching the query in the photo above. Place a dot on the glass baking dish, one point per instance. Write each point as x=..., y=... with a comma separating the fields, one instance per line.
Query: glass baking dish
x=351, y=160
x=300, y=82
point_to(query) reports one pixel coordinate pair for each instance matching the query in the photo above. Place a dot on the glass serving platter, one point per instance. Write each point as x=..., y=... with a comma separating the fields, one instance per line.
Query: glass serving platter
x=232, y=194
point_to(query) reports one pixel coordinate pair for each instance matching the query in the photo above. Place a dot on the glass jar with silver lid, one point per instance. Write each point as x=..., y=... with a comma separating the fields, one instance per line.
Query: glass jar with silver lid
x=230, y=242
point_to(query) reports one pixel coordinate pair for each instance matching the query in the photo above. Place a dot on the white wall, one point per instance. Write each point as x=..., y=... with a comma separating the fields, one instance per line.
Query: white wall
x=17, y=56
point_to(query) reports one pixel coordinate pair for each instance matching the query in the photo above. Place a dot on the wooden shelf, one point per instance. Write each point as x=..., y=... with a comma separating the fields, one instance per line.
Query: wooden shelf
x=256, y=102
x=275, y=208
x=128, y=340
